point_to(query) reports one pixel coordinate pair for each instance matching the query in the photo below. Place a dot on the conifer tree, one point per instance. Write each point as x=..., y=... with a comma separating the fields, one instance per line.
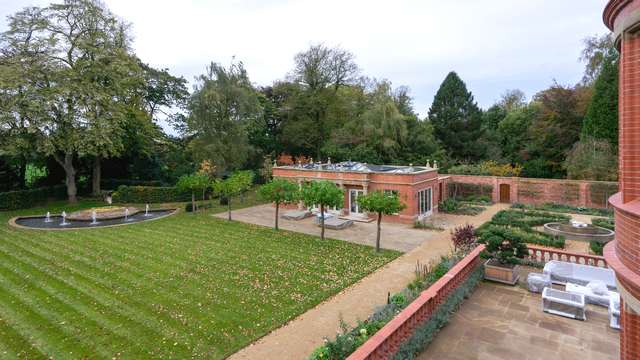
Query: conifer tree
x=457, y=119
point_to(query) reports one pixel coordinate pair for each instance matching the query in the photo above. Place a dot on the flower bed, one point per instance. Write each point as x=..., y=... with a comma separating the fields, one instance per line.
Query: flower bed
x=561, y=208
x=519, y=224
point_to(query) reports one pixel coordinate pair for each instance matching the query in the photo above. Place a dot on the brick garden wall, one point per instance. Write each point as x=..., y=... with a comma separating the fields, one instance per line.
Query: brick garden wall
x=584, y=193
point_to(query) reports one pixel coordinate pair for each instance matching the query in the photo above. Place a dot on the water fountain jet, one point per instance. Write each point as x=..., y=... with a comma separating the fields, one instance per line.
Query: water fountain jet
x=64, y=219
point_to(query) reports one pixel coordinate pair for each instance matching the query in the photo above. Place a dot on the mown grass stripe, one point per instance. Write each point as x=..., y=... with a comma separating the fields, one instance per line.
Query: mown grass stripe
x=109, y=305
x=14, y=345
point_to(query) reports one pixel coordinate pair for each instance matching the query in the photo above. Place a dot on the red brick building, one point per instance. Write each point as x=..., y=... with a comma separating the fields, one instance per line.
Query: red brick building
x=623, y=254
x=419, y=187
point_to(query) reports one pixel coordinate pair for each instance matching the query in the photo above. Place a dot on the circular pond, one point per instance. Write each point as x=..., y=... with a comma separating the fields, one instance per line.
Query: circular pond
x=579, y=231
x=57, y=222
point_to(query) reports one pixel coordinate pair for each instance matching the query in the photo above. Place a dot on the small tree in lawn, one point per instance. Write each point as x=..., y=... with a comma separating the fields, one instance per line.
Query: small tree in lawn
x=324, y=194
x=193, y=183
x=245, y=180
x=382, y=204
x=233, y=185
x=279, y=191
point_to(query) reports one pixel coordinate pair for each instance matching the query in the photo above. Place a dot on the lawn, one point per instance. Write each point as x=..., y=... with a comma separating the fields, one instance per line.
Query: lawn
x=186, y=286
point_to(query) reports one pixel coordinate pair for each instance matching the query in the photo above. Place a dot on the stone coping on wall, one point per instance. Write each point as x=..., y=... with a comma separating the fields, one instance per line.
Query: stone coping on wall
x=517, y=178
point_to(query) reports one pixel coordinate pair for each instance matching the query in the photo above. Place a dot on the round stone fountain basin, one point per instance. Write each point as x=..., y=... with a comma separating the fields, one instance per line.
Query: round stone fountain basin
x=39, y=222
x=586, y=232
x=102, y=213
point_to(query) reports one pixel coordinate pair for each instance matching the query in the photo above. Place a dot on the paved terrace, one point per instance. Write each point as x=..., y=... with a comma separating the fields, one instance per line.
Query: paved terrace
x=504, y=322
x=395, y=236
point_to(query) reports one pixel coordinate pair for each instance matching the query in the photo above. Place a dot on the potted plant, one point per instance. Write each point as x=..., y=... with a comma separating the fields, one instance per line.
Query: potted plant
x=504, y=255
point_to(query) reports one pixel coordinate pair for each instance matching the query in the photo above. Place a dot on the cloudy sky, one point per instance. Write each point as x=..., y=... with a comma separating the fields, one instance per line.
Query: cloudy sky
x=493, y=44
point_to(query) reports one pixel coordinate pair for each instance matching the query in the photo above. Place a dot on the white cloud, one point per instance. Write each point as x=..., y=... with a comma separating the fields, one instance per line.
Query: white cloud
x=493, y=44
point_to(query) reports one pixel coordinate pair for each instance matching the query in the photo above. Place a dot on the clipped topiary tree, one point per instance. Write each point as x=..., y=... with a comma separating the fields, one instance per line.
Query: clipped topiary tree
x=193, y=183
x=279, y=191
x=382, y=204
x=324, y=194
x=506, y=250
x=234, y=185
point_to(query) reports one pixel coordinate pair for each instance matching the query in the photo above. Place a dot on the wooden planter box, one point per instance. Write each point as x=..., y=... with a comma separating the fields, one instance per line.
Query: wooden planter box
x=506, y=274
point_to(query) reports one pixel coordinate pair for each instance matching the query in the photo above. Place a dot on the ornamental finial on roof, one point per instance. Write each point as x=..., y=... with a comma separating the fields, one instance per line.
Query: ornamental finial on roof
x=329, y=160
x=435, y=165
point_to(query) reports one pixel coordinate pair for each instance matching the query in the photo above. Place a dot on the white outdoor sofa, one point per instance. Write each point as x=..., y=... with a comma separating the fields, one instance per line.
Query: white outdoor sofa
x=562, y=272
x=563, y=303
x=614, y=312
x=597, y=295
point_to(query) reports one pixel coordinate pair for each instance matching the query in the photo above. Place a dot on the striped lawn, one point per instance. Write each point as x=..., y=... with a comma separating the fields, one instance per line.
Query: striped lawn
x=187, y=286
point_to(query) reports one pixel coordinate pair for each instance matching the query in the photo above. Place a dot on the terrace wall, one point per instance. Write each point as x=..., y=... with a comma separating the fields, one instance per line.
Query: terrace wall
x=387, y=341
x=592, y=194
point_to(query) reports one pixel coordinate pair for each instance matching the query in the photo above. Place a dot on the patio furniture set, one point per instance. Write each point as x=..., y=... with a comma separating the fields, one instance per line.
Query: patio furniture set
x=331, y=220
x=584, y=284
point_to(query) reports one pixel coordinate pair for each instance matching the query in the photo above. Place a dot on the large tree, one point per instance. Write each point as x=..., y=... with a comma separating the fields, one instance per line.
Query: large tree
x=321, y=72
x=555, y=128
x=220, y=108
x=596, y=53
x=78, y=76
x=457, y=119
x=601, y=120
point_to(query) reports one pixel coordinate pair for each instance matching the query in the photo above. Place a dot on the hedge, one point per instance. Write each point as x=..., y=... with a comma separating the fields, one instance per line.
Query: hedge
x=563, y=208
x=149, y=194
x=22, y=199
x=113, y=184
x=527, y=219
x=526, y=235
x=607, y=223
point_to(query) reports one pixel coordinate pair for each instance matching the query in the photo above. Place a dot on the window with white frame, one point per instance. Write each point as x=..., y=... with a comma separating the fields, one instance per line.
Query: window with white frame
x=425, y=201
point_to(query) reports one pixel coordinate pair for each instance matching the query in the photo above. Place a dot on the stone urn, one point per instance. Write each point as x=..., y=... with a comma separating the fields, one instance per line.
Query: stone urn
x=502, y=273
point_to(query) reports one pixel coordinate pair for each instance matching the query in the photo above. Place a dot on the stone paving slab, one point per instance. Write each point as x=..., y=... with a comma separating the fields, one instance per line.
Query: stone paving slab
x=504, y=322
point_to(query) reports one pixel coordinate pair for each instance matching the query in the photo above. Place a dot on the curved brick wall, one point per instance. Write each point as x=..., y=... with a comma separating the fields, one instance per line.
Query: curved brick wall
x=623, y=254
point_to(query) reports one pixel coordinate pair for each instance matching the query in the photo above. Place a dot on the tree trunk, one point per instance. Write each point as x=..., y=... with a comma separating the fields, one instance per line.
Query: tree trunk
x=229, y=207
x=277, y=210
x=378, y=235
x=193, y=202
x=23, y=172
x=96, y=176
x=322, y=221
x=70, y=177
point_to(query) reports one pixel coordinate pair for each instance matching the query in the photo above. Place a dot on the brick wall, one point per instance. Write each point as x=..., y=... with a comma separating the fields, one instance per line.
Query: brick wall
x=629, y=112
x=623, y=254
x=584, y=193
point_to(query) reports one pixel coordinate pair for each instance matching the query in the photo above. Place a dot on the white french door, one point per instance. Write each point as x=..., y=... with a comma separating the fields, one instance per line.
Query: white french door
x=425, y=202
x=354, y=208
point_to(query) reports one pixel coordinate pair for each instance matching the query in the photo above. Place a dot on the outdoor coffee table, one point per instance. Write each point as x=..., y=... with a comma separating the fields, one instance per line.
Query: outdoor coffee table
x=562, y=303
